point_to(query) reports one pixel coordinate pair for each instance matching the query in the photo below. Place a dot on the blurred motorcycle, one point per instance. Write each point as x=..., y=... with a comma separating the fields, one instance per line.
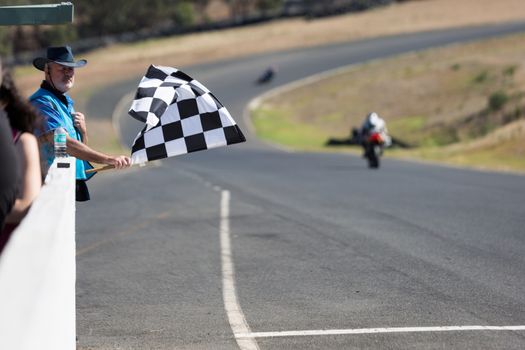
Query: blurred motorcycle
x=374, y=144
x=267, y=75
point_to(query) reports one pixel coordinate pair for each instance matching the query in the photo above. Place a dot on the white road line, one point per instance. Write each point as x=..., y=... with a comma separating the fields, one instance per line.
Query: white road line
x=378, y=330
x=237, y=320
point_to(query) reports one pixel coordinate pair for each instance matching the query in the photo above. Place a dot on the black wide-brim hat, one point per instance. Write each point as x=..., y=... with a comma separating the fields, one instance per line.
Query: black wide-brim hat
x=61, y=55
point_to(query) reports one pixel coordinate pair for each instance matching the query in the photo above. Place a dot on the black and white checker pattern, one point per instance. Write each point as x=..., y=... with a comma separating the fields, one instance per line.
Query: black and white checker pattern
x=181, y=116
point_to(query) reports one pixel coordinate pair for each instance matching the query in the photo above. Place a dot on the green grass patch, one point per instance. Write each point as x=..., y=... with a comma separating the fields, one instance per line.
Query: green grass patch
x=493, y=158
x=440, y=135
x=276, y=126
x=404, y=127
x=413, y=130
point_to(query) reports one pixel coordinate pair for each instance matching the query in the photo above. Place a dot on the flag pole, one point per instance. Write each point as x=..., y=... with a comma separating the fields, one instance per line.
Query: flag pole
x=101, y=168
x=108, y=167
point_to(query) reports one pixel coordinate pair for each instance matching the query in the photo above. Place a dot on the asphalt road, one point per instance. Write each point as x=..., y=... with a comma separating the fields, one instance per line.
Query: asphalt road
x=317, y=241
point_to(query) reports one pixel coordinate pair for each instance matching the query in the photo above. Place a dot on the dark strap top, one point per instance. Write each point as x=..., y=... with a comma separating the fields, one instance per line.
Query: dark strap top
x=16, y=135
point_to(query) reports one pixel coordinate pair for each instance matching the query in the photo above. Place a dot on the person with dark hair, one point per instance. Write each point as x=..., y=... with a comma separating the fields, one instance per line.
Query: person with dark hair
x=8, y=175
x=22, y=118
x=10, y=172
x=57, y=110
x=8, y=161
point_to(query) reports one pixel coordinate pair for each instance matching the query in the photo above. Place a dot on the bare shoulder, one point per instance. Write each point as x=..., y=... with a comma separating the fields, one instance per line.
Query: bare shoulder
x=28, y=140
x=28, y=144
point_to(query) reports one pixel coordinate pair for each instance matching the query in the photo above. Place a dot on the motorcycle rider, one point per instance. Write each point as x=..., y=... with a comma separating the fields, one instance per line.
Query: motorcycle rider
x=375, y=124
x=268, y=74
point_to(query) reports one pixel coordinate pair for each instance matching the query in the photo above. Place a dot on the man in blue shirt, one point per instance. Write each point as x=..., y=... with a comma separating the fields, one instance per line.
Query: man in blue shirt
x=57, y=110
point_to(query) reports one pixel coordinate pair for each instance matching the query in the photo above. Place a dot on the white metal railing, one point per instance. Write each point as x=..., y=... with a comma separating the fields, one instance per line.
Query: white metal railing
x=38, y=272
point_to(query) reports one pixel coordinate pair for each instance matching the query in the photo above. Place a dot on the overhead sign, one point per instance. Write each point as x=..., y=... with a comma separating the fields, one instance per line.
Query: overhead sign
x=36, y=14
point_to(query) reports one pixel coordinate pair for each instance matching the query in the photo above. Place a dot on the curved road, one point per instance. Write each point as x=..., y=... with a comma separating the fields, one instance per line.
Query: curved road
x=338, y=256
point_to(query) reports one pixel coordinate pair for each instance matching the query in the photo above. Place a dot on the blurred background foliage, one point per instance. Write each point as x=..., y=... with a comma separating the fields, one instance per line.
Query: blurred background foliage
x=128, y=20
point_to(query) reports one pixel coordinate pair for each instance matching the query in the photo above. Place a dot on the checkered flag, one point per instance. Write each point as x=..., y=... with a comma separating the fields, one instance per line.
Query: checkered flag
x=181, y=116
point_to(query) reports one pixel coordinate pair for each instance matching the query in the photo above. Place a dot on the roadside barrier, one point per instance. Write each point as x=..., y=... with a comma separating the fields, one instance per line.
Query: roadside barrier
x=38, y=271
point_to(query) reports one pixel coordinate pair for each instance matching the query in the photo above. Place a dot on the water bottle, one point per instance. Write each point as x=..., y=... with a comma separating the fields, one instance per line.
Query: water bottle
x=60, y=143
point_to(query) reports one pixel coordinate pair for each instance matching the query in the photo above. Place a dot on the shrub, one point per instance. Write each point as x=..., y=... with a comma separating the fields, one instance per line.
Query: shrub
x=481, y=77
x=497, y=100
x=509, y=71
x=184, y=14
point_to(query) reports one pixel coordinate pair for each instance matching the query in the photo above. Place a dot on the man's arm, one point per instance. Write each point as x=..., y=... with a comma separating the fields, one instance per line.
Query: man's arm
x=81, y=151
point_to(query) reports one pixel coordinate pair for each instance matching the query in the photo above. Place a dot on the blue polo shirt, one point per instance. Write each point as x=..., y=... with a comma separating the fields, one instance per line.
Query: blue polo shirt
x=57, y=111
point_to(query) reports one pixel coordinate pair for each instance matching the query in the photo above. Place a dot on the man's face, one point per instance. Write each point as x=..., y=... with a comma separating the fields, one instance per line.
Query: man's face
x=62, y=77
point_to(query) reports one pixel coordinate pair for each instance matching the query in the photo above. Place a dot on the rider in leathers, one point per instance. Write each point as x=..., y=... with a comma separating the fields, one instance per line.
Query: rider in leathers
x=375, y=124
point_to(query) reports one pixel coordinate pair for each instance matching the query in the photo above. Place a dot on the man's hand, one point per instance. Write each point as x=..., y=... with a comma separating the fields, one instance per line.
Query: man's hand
x=120, y=162
x=80, y=123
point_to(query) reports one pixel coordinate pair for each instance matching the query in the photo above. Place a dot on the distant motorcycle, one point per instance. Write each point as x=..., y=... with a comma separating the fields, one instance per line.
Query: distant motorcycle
x=267, y=75
x=373, y=144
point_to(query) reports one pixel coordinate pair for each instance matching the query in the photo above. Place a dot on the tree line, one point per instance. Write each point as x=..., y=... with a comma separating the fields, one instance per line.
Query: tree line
x=102, y=18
